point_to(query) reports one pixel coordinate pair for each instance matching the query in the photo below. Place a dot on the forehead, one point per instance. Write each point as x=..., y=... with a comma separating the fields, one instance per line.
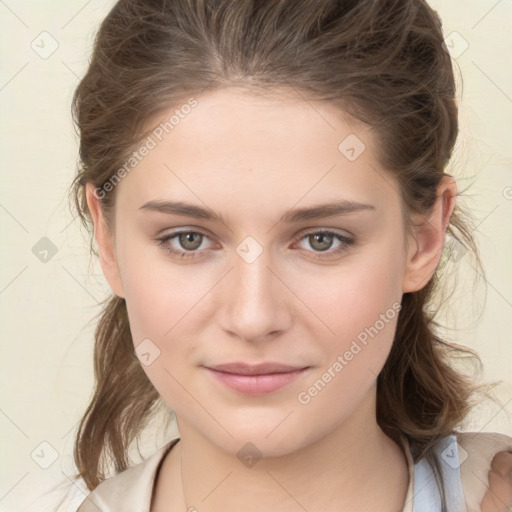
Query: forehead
x=257, y=151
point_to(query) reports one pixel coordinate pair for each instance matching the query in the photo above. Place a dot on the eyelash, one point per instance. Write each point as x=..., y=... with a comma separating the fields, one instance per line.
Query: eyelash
x=346, y=243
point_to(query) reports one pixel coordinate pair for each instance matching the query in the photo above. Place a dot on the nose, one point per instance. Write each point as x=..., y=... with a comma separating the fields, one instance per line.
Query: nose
x=254, y=304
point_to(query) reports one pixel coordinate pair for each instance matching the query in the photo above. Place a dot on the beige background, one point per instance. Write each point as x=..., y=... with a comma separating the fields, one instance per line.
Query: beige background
x=47, y=309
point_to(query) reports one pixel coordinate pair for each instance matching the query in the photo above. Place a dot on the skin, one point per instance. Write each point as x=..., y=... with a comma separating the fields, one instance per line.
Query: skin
x=253, y=158
x=498, y=497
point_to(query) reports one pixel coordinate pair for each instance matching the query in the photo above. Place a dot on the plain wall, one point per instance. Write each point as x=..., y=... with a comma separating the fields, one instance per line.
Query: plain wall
x=47, y=308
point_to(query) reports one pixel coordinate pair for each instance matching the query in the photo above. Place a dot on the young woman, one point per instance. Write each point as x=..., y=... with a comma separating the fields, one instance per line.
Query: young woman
x=266, y=182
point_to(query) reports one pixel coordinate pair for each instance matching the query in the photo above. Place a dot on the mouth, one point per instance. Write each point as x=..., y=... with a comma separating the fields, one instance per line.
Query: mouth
x=256, y=379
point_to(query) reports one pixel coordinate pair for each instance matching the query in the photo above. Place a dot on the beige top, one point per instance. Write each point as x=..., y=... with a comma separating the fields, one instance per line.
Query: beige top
x=132, y=489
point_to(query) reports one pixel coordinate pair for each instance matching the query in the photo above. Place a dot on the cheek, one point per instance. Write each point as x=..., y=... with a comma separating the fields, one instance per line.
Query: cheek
x=161, y=295
x=361, y=309
x=163, y=325
x=158, y=306
x=167, y=310
x=364, y=292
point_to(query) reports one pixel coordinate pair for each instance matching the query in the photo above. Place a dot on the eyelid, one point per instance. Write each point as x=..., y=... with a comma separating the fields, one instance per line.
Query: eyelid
x=333, y=231
x=179, y=231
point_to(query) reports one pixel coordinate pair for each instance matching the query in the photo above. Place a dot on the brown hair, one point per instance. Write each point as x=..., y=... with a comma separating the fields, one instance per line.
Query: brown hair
x=382, y=61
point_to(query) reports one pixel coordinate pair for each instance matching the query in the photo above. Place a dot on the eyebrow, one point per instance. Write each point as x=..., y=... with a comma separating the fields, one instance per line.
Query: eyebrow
x=296, y=215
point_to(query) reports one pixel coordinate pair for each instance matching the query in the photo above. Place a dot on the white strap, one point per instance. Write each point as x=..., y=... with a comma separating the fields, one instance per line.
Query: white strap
x=427, y=496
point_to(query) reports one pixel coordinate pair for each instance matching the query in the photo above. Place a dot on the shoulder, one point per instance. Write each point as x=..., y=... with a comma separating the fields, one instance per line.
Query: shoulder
x=129, y=490
x=485, y=460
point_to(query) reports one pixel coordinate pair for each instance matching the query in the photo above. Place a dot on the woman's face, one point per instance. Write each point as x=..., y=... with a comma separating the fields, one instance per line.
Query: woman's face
x=263, y=285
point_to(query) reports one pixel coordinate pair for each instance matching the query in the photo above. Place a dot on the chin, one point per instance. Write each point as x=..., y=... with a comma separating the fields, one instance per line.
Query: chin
x=253, y=439
x=252, y=448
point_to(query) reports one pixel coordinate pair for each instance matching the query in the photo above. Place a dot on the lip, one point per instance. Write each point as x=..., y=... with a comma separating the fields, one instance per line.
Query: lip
x=256, y=380
x=239, y=368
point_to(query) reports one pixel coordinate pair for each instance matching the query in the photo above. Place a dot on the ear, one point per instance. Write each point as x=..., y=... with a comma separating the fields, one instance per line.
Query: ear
x=105, y=241
x=426, y=246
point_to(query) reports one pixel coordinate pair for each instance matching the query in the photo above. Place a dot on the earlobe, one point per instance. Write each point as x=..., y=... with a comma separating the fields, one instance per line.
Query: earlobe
x=426, y=246
x=105, y=242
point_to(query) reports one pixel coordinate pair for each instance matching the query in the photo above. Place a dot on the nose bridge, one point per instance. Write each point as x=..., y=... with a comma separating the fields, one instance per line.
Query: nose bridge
x=253, y=303
x=252, y=274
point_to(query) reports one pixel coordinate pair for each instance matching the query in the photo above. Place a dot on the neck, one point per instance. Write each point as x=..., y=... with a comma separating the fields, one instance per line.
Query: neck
x=355, y=467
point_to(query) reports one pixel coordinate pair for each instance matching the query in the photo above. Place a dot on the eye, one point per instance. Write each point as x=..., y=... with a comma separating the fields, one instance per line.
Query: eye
x=322, y=241
x=190, y=241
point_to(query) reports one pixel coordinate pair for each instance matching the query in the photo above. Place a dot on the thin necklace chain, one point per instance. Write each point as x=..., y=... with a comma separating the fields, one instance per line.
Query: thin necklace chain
x=181, y=471
x=187, y=508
